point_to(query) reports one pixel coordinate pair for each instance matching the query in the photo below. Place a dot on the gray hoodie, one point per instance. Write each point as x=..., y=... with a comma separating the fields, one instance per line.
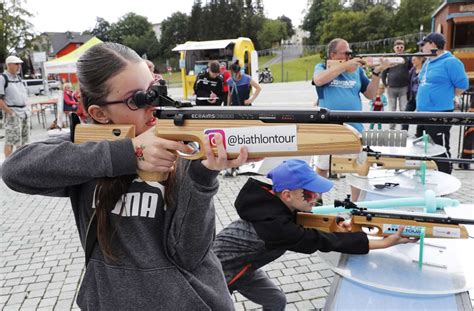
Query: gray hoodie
x=165, y=257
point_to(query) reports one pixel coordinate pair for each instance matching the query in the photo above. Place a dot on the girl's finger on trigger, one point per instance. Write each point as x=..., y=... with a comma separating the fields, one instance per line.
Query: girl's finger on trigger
x=208, y=149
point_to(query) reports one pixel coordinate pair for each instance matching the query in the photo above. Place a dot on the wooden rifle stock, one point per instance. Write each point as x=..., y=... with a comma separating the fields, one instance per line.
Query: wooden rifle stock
x=312, y=139
x=94, y=132
x=351, y=165
x=329, y=223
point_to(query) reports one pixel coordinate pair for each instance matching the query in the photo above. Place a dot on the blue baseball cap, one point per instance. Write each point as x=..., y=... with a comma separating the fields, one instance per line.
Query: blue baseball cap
x=296, y=174
x=437, y=38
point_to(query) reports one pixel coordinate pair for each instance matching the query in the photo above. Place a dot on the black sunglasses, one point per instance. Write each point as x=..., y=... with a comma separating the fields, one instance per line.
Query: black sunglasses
x=142, y=99
x=386, y=185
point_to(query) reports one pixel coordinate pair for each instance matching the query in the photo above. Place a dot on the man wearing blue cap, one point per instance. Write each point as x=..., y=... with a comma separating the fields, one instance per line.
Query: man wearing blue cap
x=267, y=229
x=441, y=78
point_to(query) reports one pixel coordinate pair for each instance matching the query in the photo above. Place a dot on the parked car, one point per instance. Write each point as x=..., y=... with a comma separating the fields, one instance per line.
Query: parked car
x=54, y=85
x=34, y=86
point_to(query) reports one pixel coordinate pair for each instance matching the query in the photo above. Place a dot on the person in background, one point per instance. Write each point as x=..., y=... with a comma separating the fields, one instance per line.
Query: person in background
x=468, y=140
x=267, y=228
x=225, y=76
x=208, y=86
x=339, y=87
x=152, y=247
x=396, y=81
x=70, y=101
x=413, y=78
x=13, y=103
x=240, y=86
x=442, y=77
x=378, y=103
x=156, y=76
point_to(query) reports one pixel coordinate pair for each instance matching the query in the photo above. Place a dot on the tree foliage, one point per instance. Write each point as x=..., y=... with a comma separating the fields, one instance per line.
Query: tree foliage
x=15, y=31
x=409, y=17
x=273, y=30
x=101, y=29
x=290, y=30
x=173, y=32
x=318, y=15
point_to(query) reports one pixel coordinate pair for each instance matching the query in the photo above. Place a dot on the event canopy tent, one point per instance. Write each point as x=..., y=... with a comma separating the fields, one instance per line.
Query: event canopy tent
x=67, y=63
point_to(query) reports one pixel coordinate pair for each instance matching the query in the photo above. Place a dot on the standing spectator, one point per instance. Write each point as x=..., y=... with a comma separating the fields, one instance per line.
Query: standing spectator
x=240, y=85
x=13, y=102
x=339, y=88
x=208, y=86
x=396, y=81
x=413, y=77
x=378, y=103
x=225, y=76
x=468, y=140
x=441, y=78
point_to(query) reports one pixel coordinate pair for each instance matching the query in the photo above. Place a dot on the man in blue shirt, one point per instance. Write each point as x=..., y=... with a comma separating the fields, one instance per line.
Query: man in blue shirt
x=340, y=85
x=441, y=78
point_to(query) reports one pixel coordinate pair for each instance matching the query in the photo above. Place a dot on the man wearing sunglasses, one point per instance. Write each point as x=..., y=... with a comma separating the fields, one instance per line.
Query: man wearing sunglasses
x=396, y=80
x=339, y=88
x=441, y=78
x=13, y=103
x=267, y=229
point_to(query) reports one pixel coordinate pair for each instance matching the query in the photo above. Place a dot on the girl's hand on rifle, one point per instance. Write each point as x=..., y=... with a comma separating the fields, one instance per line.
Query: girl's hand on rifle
x=221, y=162
x=155, y=154
x=391, y=240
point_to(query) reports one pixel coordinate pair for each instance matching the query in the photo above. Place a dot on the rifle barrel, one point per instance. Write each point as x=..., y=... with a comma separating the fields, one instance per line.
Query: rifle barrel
x=395, y=55
x=313, y=115
x=421, y=158
x=420, y=217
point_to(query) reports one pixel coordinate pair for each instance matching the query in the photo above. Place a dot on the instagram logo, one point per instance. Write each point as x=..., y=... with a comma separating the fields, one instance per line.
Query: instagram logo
x=212, y=136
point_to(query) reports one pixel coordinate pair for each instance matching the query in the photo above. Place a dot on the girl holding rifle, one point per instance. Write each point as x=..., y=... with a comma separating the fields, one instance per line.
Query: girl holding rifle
x=154, y=240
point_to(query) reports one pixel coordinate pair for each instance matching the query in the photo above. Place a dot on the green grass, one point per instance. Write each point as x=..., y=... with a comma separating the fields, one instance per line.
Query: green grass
x=299, y=69
x=263, y=59
x=173, y=79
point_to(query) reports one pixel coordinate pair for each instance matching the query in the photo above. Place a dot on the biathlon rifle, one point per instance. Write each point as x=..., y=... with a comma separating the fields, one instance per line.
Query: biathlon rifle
x=382, y=223
x=370, y=158
x=267, y=132
x=340, y=164
x=372, y=60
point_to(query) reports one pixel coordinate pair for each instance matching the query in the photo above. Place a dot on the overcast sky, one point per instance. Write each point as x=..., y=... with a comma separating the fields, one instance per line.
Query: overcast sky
x=80, y=15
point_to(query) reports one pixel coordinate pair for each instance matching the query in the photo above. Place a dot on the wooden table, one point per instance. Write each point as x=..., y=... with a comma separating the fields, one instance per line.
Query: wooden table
x=39, y=107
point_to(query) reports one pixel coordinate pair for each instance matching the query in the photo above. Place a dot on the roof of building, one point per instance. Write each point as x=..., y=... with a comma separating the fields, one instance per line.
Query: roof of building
x=59, y=40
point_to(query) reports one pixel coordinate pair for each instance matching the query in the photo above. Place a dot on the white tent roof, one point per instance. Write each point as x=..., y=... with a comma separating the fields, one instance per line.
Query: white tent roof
x=204, y=45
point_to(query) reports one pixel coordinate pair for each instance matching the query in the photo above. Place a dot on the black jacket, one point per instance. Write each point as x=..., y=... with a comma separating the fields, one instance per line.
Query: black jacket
x=267, y=229
x=397, y=76
x=204, y=85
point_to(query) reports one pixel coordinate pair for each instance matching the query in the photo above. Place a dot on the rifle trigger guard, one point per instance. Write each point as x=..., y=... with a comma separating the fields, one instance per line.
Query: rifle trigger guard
x=179, y=119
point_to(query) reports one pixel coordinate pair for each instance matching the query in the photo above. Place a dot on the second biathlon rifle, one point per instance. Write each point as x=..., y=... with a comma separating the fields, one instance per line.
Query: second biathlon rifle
x=375, y=59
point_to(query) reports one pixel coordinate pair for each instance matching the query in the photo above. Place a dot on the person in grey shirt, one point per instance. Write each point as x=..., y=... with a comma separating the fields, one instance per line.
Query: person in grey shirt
x=153, y=244
x=13, y=102
x=396, y=80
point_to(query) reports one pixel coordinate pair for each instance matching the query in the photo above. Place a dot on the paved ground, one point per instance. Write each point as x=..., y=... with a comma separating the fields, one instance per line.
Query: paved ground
x=42, y=261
